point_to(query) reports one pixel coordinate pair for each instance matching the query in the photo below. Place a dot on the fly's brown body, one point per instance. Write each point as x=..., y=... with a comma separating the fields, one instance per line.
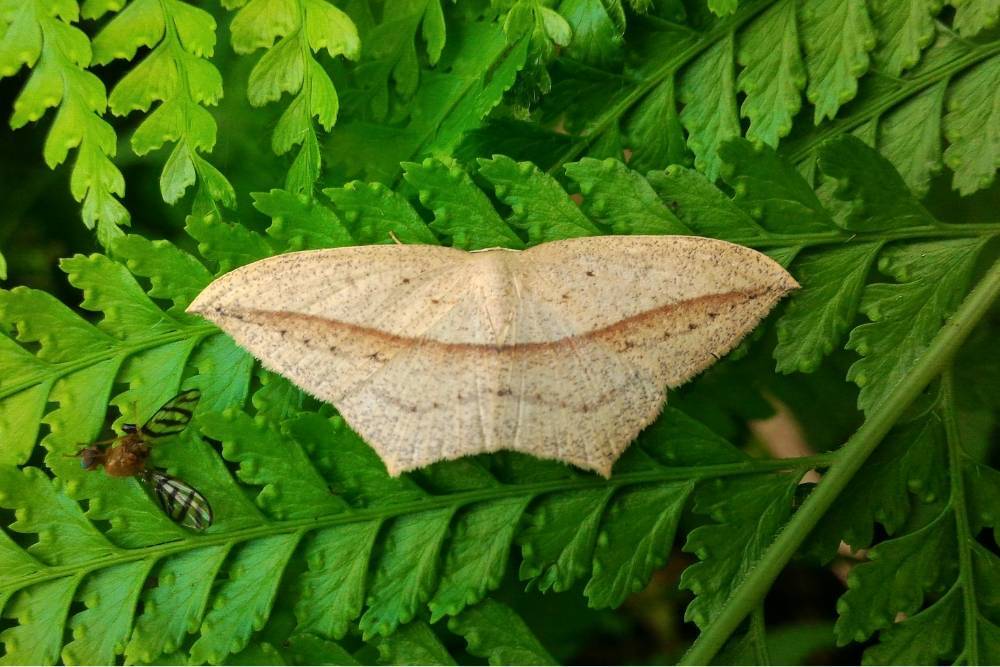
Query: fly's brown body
x=128, y=456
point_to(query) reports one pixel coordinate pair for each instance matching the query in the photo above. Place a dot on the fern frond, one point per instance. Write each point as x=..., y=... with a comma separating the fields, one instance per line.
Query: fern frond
x=469, y=80
x=363, y=550
x=391, y=50
x=495, y=631
x=775, y=53
x=177, y=74
x=41, y=36
x=302, y=29
x=947, y=617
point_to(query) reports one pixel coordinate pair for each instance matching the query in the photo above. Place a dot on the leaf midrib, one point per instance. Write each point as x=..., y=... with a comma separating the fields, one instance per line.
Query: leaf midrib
x=456, y=500
x=121, y=349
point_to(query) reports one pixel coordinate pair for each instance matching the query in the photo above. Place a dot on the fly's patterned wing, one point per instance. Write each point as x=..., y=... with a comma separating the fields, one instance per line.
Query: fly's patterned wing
x=173, y=417
x=178, y=499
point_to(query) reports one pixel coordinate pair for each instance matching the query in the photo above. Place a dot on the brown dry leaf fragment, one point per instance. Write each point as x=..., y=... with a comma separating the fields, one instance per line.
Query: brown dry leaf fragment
x=563, y=351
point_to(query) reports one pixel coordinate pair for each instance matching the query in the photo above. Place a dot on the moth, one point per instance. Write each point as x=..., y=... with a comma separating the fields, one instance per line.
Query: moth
x=563, y=351
x=128, y=456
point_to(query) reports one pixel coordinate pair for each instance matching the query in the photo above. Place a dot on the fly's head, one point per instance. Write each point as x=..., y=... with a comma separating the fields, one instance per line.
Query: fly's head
x=91, y=457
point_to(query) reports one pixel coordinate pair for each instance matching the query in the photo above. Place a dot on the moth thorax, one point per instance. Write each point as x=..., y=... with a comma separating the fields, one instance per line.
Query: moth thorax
x=494, y=281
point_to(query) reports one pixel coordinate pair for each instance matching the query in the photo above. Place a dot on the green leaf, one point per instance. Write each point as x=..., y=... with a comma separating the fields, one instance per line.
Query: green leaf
x=899, y=574
x=819, y=314
x=558, y=542
x=64, y=534
x=243, y=601
x=461, y=210
x=747, y=513
x=173, y=274
x=702, y=207
x=910, y=138
x=905, y=29
x=224, y=371
x=931, y=279
x=773, y=76
x=301, y=222
x=640, y=527
x=932, y=573
x=167, y=618
x=597, y=29
x=707, y=90
x=290, y=486
x=36, y=610
x=302, y=28
x=972, y=16
x=474, y=72
x=308, y=649
x=972, y=127
x=333, y=589
x=375, y=213
x=101, y=630
x=771, y=191
x=540, y=206
x=407, y=571
x=879, y=198
x=925, y=637
x=518, y=139
x=177, y=74
x=95, y=9
x=621, y=199
x=837, y=35
x=723, y=7
x=390, y=50
x=654, y=130
x=477, y=555
x=226, y=244
x=40, y=35
x=413, y=644
x=907, y=470
x=496, y=632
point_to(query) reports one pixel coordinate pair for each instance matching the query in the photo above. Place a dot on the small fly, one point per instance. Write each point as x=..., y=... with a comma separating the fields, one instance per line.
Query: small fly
x=128, y=456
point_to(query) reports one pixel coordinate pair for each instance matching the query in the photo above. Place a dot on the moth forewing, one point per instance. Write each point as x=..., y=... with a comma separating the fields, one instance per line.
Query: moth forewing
x=179, y=500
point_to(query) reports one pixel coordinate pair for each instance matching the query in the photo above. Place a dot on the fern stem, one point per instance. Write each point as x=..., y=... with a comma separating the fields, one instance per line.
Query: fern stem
x=453, y=500
x=749, y=593
x=958, y=506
